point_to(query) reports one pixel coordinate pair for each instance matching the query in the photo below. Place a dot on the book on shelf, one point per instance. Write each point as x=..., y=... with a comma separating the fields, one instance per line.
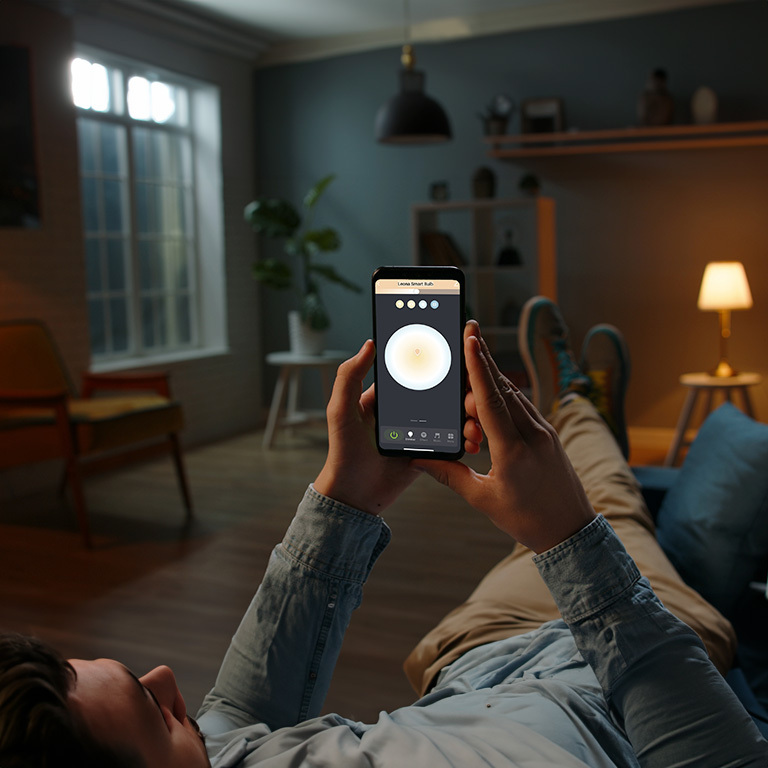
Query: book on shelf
x=440, y=249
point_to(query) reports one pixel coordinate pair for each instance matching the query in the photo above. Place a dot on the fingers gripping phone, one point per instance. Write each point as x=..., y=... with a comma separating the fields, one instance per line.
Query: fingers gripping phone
x=418, y=327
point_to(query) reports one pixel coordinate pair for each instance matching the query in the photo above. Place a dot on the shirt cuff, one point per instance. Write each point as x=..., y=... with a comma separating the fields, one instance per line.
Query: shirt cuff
x=587, y=572
x=335, y=539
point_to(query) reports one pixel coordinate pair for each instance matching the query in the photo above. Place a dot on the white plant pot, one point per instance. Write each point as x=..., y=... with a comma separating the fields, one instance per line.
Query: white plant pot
x=304, y=340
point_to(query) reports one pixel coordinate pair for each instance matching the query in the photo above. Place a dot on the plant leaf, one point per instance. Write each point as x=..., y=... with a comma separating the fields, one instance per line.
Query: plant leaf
x=272, y=217
x=273, y=273
x=326, y=239
x=329, y=273
x=316, y=192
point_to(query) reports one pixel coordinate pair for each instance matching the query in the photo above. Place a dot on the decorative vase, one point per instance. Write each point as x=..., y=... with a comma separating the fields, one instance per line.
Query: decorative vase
x=655, y=105
x=304, y=340
x=484, y=183
x=704, y=106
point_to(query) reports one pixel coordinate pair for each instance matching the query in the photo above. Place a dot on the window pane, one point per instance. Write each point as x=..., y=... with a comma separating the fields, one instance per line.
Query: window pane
x=119, y=323
x=171, y=210
x=113, y=149
x=145, y=208
x=182, y=273
x=184, y=325
x=90, y=85
x=162, y=308
x=175, y=265
x=158, y=151
x=96, y=326
x=138, y=98
x=148, y=322
x=156, y=206
x=87, y=133
x=146, y=264
x=141, y=153
x=113, y=206
x=163, y=102
x=176, y=161
x=80, y=70
x=91, y=190
x=93, y=264
x=99, y=88
x=181, y=117
x=116, y=280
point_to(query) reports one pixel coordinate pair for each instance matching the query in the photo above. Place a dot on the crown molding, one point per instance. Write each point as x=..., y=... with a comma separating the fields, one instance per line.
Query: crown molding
x=210, y=31
x=531, y=16
x=171, y=20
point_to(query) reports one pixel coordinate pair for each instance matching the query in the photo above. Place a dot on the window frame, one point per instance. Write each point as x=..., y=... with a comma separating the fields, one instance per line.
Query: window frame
x=204, y=235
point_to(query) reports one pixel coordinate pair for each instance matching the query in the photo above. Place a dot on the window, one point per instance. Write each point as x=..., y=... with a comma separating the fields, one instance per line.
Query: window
x=144, y=138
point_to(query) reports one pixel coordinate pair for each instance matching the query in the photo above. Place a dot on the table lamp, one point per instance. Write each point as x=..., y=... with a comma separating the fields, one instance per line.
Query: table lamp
x=724, y=287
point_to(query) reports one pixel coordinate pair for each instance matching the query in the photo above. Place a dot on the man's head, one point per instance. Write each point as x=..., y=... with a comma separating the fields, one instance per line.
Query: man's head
x=62, y=713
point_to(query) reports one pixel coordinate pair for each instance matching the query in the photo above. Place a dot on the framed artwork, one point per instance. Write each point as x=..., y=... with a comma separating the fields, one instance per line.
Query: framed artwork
x=542, y=116
x=19, y=194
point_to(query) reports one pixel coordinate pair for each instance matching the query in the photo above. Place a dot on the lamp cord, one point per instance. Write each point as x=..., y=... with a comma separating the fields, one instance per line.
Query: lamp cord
x=406, y=22
x=407, y=58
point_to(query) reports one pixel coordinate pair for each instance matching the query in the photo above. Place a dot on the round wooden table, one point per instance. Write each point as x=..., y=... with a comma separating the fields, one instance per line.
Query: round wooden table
x=707, y=385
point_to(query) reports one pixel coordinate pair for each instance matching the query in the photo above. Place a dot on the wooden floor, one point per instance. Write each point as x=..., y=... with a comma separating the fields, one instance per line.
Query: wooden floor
x=153, y=592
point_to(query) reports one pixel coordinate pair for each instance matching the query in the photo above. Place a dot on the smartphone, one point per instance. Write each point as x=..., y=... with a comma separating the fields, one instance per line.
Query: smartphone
x=418, y=327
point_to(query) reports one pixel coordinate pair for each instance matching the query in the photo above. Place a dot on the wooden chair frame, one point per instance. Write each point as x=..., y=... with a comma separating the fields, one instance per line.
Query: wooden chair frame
x=78, y=464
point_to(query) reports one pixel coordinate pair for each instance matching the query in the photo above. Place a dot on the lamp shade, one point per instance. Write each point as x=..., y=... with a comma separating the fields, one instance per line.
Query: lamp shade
x=724, y=286
x=412, y=117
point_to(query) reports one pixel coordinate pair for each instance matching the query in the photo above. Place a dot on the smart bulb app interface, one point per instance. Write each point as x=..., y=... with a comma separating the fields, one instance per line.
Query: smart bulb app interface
x=419, y=386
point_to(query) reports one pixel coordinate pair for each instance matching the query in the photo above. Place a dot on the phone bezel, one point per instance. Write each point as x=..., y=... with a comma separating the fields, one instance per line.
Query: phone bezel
x=423, y=273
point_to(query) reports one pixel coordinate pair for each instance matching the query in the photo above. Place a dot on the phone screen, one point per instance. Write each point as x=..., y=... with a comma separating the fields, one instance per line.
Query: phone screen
x=418, y=317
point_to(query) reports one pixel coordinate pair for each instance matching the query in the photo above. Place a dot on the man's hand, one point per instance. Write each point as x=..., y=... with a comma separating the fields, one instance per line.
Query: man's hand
x=531, y=491
x=354, y=471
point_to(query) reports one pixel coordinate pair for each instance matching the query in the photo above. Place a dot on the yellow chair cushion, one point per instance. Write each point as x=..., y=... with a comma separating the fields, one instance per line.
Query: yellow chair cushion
x=102, y=423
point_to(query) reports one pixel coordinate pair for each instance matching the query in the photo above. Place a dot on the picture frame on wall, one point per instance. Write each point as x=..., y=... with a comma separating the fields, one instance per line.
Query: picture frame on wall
x=19, y=192
x=542, y=116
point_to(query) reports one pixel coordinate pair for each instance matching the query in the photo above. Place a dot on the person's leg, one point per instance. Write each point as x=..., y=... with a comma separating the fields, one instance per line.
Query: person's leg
x=512, y=598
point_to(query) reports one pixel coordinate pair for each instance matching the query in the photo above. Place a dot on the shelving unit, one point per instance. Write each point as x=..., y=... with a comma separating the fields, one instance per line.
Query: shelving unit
x=655, y=139
x=478, y=228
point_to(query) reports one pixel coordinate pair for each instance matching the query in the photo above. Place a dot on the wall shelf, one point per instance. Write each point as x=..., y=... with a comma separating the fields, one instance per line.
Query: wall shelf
x=656, y=139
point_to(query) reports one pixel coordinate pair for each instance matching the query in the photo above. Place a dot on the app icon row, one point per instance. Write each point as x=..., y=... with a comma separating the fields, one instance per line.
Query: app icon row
x=411, y=304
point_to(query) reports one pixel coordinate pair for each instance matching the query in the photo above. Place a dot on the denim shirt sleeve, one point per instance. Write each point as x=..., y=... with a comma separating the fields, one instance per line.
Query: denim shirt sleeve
x=676, y=708
x=280, y=662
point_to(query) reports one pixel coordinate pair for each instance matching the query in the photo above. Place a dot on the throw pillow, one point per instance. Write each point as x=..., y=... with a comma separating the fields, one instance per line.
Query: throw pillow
x=713, y=523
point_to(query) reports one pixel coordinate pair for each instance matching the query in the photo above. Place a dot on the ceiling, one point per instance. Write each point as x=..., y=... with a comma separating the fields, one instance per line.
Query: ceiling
x=278, y=31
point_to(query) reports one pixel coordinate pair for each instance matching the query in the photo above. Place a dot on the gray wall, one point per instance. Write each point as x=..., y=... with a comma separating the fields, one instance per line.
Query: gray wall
x=634, y=231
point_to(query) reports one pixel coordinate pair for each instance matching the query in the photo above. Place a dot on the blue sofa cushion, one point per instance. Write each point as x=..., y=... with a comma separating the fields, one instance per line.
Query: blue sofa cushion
x=713, y=523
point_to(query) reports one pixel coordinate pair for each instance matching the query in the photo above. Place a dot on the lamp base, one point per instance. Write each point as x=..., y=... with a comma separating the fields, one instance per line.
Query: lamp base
x=724, y=370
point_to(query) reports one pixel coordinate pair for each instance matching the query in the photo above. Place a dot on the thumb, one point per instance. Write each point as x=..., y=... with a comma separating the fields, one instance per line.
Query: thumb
x=453, y=474
x=349, y=380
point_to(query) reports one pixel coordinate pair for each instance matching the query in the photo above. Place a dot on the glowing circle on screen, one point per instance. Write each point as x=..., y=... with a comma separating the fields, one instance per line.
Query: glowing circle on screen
x=417, y=357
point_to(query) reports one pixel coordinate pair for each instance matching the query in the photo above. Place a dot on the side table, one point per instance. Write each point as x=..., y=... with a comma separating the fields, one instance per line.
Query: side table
x=291, y=365
x=707, y=384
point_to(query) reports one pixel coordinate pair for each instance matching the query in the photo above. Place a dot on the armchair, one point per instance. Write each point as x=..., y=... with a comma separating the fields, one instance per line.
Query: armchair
x=42, y=417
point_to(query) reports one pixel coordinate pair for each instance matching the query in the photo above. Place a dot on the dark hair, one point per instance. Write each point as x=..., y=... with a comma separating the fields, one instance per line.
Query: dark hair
x=37, y=728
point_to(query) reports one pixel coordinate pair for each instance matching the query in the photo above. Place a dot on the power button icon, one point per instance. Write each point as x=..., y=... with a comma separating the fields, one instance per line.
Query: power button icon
x=393, y=435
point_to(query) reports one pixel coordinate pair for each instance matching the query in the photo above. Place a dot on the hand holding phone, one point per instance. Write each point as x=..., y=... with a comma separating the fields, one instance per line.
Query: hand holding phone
x=418, y=315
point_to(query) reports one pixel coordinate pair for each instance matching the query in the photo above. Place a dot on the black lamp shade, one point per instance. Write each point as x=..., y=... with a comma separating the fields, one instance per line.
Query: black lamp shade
x=412, y=117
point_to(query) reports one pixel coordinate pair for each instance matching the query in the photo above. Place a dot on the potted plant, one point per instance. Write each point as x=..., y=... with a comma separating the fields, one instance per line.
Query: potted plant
x=280, y=220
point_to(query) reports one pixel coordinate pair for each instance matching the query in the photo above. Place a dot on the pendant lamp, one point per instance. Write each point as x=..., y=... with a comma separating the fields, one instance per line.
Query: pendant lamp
x=411, y=117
